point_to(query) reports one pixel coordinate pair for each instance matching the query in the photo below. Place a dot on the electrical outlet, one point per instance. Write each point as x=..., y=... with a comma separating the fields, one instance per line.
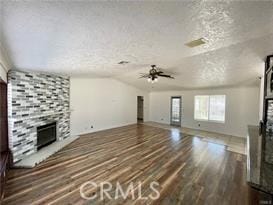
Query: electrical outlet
x=91, y=126
x=198, y=124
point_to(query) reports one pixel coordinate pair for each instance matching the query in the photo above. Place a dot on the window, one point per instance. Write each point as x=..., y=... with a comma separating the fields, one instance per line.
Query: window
x=201, y=107
x=210, y=107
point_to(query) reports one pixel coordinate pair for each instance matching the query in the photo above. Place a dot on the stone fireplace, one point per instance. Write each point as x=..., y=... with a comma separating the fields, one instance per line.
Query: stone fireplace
x=34, y=101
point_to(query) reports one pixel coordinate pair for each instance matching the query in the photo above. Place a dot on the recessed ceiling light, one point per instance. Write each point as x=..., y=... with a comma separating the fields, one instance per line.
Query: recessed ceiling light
x=123, y=62
x=196, y=42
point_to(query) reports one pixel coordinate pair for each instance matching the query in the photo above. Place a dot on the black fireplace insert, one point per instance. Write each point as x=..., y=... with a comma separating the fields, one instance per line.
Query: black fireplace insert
x=46, y=134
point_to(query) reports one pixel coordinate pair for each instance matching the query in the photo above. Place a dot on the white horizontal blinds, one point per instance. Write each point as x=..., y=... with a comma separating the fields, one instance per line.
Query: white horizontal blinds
x=210, y=107
x=217, y=106
x=201, y=107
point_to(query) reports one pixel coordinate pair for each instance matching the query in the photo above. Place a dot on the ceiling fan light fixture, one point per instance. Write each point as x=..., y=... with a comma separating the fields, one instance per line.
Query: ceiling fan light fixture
x=154, y=74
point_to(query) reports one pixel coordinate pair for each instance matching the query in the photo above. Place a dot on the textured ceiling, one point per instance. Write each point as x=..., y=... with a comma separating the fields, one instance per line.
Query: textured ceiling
x=90, y=38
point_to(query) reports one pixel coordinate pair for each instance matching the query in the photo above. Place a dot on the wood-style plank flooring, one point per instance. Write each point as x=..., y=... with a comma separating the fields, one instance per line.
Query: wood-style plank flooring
x=189, y=170
x=232, y=143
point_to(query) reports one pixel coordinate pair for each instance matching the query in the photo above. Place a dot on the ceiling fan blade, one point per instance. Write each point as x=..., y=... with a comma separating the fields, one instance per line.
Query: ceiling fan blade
x=159, y=72
x=169, y=70
x=166, y=76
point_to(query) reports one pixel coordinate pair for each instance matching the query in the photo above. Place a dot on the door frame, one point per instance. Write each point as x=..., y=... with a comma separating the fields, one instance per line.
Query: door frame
x=180, y=111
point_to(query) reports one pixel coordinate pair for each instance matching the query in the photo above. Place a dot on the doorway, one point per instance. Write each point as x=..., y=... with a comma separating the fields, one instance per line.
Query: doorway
x=3, y=117
x=140, y=108
x=176, y=110
x=4, y=149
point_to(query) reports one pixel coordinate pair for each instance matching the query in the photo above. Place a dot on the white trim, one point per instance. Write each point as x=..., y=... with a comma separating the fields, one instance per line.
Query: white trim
x=104, y=129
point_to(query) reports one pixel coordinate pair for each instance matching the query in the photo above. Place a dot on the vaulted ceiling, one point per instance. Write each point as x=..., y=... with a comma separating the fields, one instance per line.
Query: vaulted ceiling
x=88, y=38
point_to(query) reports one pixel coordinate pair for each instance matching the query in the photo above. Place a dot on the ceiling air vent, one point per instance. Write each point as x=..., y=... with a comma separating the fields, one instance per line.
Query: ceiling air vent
x=123, y=62
x=196, y=42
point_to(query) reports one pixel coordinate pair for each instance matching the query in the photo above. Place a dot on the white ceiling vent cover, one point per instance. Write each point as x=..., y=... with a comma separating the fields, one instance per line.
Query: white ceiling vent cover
x=196, y=42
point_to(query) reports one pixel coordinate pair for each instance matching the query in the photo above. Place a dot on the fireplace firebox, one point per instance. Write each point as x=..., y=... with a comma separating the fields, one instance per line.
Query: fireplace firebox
x=46, y=134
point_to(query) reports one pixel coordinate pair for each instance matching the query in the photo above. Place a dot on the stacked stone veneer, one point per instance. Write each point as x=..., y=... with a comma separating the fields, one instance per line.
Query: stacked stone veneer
x=34, y=100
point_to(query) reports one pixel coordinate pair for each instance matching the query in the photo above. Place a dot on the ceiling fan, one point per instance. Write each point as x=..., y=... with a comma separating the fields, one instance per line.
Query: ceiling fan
x=153, y=74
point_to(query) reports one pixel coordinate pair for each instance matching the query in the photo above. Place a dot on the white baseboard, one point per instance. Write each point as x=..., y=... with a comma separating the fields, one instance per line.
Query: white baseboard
x=106, y=128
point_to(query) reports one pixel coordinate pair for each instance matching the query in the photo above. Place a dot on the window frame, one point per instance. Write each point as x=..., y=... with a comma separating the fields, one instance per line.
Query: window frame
x=208, y=120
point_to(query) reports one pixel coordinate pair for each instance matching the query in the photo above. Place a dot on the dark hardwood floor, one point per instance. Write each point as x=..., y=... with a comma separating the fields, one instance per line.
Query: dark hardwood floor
x=189, y=170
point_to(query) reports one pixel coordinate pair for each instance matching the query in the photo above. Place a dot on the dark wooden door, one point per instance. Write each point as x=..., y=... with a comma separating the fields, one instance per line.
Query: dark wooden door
x=3, y=117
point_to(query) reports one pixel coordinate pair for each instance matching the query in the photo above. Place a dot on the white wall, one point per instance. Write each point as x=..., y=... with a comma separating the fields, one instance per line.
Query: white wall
x=3, y=73
x=242, y=108
x=261, y=99
x=103, y=103
x=4, y=64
